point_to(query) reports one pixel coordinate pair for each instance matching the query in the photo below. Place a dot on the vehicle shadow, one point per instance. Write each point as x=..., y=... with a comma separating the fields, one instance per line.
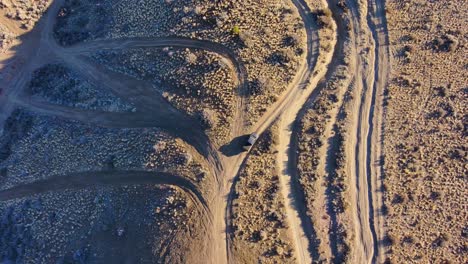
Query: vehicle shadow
x=234, y=147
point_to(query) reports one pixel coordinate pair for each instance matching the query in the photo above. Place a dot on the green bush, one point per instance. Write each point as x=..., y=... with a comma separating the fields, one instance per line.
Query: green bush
x=236, y=30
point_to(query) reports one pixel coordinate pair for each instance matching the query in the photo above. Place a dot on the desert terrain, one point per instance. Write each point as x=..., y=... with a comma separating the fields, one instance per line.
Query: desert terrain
x=195, y=131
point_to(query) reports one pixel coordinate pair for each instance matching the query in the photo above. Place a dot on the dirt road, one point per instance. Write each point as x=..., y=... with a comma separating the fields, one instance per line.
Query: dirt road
x=83, y=180
x=181, y=42
x=382, y=68
x=288, y=111
x=370, y=77
x=44, y=49
x=287, y=105
x=355, y=147
x=363, y=152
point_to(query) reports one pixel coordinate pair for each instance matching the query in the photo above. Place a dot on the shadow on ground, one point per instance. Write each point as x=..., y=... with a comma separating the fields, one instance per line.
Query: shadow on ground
x=234, y=147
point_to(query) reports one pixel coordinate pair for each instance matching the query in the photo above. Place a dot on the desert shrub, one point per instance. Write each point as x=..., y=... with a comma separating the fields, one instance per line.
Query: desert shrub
x=325, y=21
x=387, y=261
x=464, y=232
x=440, y=91
x=324, y=12
x=281, y=57
x=185, y=158
x=434, y=195
x=198, y=10
x=208, y=118
x=191, y=58
x=388, y=240
x=407, y=240
x=440, y=241
x=342, y=4
x=397, y=199
x=258, y=236
x=436, y=114
x=291, y=41
x=260, y=85
x=235, y=30
x=446, y=43
x=384, y=210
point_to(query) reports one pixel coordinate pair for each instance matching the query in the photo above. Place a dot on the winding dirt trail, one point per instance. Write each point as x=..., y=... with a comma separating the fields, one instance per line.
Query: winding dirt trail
x=83, y=180
x=288, y=109
x=93, y=179
x=323, y=214
x=42, y=49
x=302, y=87
x=181, y=42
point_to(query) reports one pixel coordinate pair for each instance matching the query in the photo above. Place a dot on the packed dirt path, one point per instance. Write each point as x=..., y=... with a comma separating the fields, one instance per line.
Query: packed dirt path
x=355, y=146
x=323, y=214
x=82, y=180
x=287, y=106
x=180, y=42
x=363, y=150
x=295, y=218
x=40, y=48
x=289, y=109
x=378, y=26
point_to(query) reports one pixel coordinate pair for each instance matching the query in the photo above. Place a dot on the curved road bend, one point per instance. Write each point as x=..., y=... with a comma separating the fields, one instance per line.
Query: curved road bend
x=181, y=42
x=152, y=105
x=89, y=179
x=302, y=87
x=302, y=234
x=159, y=42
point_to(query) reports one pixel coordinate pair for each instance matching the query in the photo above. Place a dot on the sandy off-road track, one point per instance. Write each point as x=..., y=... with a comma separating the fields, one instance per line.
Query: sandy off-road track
x=355, y=153
x=180, y=42
x=293, y=98
x=40, y=48
x=378, y=25
x=296, y=215
x=82, y=180
x=363, y=150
